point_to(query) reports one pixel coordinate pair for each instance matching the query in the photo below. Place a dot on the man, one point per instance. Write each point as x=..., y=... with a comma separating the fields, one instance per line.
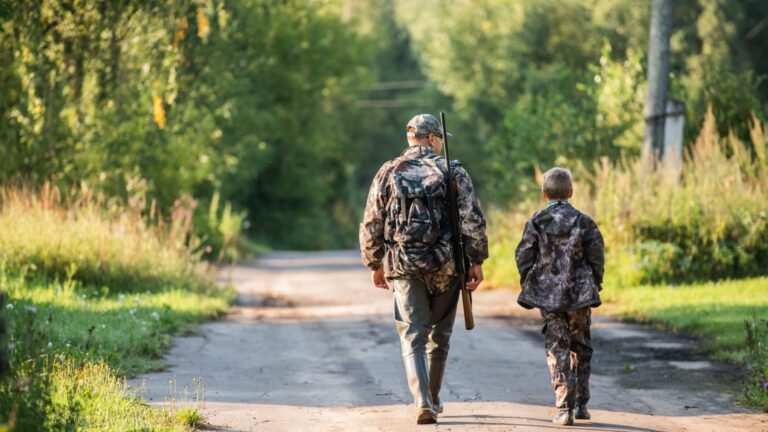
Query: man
x=405, y=239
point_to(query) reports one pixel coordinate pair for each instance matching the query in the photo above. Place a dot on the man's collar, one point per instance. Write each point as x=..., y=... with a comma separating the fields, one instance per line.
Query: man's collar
x=419, y=151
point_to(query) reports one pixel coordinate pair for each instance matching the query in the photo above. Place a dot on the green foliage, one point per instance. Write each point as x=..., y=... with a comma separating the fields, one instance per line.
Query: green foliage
x=285, y=112
x=93, y=94
x=190, y=417
x=506, y=229
x=72, y=333
x=657, y=260
x=536, y=82
x=70, y=343
x=708, y=224
x=551, y=82
x=166, y=99
x=757, y=361
x=620, y=94
x=260, y=100
x=220, y=231
x=111, y=249
x=722, y=64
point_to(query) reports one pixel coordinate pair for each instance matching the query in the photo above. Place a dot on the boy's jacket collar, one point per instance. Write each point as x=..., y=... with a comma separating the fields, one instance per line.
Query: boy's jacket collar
x=557, y=219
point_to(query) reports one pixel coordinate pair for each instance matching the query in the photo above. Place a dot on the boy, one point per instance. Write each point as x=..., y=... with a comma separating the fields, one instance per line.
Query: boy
x=560, y=259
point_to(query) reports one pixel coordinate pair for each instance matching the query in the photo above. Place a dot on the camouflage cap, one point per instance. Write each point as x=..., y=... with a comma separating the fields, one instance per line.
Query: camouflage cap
x=424, y=124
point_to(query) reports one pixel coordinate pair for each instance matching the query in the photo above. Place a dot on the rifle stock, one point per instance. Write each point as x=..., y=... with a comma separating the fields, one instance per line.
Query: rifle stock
x=459, y=256
x=466, y=302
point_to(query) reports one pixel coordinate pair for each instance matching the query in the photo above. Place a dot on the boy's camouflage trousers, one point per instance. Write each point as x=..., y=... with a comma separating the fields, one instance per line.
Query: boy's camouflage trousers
x=569, y=353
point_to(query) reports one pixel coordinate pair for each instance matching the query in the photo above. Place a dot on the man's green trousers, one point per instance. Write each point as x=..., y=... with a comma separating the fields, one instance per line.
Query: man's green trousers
x=424, y=317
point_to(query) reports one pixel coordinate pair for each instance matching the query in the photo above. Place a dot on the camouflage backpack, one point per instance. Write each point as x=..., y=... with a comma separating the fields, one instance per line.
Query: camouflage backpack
x=417, y=209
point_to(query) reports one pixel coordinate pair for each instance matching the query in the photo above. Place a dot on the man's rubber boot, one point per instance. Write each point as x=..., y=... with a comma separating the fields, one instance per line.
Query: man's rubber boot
x=417, y=372
x=436, y=374
x=581, y=412
x=564, y=418
x=426, y=416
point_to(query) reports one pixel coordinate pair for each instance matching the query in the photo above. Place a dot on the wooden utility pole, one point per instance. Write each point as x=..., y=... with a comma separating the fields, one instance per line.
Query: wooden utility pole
x=658, y=81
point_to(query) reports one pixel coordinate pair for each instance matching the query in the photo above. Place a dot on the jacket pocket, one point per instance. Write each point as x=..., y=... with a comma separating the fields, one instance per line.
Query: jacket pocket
x=417, y=260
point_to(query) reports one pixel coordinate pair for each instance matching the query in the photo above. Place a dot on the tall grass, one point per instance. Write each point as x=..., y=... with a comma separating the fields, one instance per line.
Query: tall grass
x=709, y=223
x=220, y=230
x=93, y=292
x=109, y=247
x=505, y=231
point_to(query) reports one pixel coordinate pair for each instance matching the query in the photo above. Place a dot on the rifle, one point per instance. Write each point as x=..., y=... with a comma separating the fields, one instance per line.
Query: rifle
x=459, y=257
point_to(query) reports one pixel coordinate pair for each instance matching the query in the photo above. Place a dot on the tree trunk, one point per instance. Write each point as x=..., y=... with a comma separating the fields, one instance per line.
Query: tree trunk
x=658, y=81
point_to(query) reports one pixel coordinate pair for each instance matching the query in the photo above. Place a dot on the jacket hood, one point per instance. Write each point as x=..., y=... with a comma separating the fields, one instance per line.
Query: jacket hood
x=558, y=219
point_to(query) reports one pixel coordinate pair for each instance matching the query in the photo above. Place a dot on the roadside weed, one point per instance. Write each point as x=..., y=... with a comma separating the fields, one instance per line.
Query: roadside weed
x=190, y=417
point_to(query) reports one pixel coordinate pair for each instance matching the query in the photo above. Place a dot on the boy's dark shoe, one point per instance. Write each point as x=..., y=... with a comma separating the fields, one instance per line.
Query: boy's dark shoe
x=581, y=413
x=564, y=417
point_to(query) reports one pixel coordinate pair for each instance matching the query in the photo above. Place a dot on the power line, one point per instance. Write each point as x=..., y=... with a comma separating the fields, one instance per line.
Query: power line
x=390, y=103
x=398, y=85
x=758, y=28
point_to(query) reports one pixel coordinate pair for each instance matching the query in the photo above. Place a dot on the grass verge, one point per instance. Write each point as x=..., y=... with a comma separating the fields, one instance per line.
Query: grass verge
x=730, y=317
x=91, y=294
x=71, y=346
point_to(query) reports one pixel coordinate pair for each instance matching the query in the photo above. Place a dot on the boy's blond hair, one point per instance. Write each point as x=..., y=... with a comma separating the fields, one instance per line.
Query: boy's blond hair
x=558, y=183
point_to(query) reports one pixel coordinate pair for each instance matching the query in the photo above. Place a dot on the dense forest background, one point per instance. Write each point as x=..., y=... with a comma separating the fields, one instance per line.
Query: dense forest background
x=284, y=109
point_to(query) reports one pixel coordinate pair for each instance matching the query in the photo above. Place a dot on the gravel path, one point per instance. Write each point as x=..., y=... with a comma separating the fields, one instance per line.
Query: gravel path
x=311, y=345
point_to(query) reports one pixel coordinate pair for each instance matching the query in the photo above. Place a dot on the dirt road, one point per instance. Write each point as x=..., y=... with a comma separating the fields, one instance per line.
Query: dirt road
x=311, y=346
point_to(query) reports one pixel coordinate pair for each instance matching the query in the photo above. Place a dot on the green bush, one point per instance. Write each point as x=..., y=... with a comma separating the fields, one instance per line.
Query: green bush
x=757, y=361
x=220, y=230
x=657, y=260
x=707, y=223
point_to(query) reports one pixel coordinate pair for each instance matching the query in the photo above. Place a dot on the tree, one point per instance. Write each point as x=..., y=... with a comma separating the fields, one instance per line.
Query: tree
x=525, y=78
x=147, y=100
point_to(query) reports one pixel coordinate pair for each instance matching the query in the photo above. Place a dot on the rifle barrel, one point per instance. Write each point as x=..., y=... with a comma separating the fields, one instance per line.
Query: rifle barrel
x=458, y=242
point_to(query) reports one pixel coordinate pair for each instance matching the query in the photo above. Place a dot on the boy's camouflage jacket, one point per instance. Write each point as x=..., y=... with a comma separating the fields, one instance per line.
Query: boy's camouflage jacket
x=561, y=259
x=376, y=229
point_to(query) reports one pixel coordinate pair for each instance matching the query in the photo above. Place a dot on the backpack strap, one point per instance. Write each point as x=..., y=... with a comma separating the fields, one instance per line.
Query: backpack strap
x=428, y=193
x=403, y=208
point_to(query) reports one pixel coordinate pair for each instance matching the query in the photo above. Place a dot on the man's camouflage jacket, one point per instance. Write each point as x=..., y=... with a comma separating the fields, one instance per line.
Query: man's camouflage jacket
x=377, y=229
